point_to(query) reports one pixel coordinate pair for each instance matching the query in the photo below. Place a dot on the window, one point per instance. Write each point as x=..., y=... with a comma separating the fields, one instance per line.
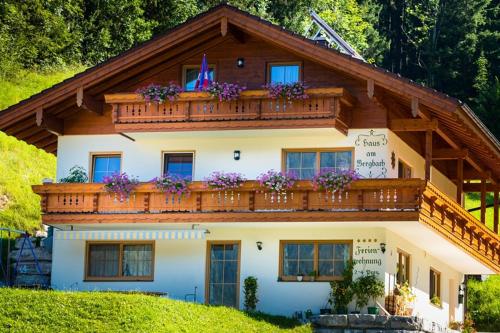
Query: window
x=223, y=265
x=305, y=164
x=434, y=284
x=403, y=268
x=105, y=165
x=327, y=259
x=178, y=164
x=404, y=170
x=190, y=75
x=284, y=73
x=119, y=261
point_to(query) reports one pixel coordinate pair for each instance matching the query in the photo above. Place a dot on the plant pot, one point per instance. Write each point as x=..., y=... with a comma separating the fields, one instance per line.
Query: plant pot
x=373, y=310
x=325, y=311
x=300, y=278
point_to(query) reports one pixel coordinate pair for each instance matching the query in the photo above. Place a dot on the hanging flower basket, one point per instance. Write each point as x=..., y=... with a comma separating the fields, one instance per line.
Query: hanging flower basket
x=333, y=181
x=287, y=91
x=276, y=181
x=121, y=185
x=222, y=181
x=224, y=92
x=173, y=186
x=159, y=94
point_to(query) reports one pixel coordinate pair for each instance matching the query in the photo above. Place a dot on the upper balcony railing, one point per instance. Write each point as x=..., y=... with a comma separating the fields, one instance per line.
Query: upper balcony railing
x=131, y=109
x=365, y=200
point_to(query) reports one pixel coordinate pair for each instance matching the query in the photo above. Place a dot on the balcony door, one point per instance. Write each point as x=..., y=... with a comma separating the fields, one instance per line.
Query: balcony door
x=223, y=273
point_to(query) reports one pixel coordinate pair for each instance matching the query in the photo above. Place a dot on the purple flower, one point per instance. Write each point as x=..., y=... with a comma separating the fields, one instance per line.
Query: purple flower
x=222, y=181
x=288, y=91
x=224, y=91
x=160, y=94
x=332, y=181
x=277, y=181
x=172, y=184
x=121, y=185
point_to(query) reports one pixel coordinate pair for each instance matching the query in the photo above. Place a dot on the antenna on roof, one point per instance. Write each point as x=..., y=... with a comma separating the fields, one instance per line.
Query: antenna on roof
x=329, y=37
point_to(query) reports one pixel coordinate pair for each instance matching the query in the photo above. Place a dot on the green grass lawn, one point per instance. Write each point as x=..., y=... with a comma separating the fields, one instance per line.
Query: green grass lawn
x=56, y=311
x=473, y=200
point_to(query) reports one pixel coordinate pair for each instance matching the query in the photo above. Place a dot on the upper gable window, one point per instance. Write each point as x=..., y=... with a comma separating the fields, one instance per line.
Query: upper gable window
x=284, y=73
x=190, y=75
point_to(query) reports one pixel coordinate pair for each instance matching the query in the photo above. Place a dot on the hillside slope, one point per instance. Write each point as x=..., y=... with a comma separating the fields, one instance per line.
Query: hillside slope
x=22, y=165
x=53, y=311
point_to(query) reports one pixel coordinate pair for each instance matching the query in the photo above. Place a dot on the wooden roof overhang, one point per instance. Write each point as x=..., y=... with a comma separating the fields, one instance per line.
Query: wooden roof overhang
x=39, y=119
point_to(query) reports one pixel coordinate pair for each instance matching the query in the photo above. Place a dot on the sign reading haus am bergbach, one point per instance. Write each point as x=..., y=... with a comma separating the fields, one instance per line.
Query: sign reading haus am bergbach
x=371, y=162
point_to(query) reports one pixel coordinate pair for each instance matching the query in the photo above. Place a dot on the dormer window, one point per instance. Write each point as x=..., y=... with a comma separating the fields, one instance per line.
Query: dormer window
x=190, y=75
x=284, y=73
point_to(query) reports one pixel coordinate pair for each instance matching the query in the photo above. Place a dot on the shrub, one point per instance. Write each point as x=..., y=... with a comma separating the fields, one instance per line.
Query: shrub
x=342, y=291
x=483, y=302
x=366, y=287
x=77, y=174
x=250, y=291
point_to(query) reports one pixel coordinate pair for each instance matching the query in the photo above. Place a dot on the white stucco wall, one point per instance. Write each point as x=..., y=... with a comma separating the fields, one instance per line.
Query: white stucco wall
x=180, y=265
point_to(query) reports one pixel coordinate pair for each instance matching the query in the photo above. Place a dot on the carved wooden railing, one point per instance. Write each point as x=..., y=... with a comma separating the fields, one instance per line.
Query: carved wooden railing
x=130, y=108
x=444, y=214
x=363, y=195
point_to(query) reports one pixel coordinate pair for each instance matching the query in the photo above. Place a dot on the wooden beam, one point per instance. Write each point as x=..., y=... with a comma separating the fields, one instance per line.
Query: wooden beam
x=223, y=26
x=412, y=125
x=476, y=187
x=495, y=212
x=415, y=109
x=428, y=154
x=87, y=102
x=370, y=88
x=49, y=123
x=460, y=179
x=238, y=34
x=483, y=200
x=449, y=154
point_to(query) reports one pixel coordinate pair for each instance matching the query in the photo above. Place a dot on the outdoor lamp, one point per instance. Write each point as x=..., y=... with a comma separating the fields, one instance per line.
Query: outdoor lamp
x=259, y=245
x=237, y=155
x=240, y=62
x=461, y=293
x=382, y=247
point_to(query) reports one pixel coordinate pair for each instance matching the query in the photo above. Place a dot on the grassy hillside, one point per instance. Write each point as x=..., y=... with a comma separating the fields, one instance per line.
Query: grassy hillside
x=473, y=200
x=51, y=311
x=22, y=165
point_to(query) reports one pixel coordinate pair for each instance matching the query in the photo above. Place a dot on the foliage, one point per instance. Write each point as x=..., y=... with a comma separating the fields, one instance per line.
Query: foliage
x=121, y=185
x=483, y=302
x=407, y=298
x=77, y=174
x=367, y=286
x=332, y=181
x=172, y=185
x=159, y=94
x=487, y=101
x=57, y=311
x=250, y=290
x=21, y=166
x=224, y=91
x=277, y=181
x=341, y=293
x=436, y=300
x=223, y=181
x=287, y=91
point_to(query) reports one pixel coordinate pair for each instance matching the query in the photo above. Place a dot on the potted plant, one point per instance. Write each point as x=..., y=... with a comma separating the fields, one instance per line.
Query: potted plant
x=300, y=277
x=341, y=293
x=312, y=275
x=373, y=288
x=223, y=183
x=333, y=181
x=287, y=91
x=404, y=300
x=172, y=185
x=436, y=300
x=159, y=94
x=121, y=185
x=77, y=174
x=224, y=91
x=278, y=183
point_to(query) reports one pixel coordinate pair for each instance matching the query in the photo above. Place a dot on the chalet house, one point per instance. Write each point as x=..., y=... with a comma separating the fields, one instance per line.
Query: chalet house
x=417, y=152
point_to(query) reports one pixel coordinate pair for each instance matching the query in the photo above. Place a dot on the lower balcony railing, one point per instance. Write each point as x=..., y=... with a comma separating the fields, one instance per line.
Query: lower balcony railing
x=364, y=200
x=363, y=195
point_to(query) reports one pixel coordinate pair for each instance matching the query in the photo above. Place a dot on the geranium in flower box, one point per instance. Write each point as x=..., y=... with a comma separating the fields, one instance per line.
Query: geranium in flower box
x=121, y=185
x=224, y=92
x=278, y=183
x=287, y=91
x=172, y=185
x=333, y=181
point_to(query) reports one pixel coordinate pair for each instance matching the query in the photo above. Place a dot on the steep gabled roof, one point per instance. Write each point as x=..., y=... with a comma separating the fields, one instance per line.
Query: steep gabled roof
x=460, y=126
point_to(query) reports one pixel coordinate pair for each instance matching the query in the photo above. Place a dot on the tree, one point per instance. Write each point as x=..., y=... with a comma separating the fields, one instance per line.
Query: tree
x=487, y=106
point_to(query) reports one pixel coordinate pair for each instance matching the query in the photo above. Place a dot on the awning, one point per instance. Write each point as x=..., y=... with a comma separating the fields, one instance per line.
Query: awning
x=187, y=234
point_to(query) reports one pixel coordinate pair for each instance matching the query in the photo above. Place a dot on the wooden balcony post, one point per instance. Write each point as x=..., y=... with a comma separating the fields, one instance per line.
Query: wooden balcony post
x=495, y=211
x=483, y=200
x=428, y=154
x=460, y=180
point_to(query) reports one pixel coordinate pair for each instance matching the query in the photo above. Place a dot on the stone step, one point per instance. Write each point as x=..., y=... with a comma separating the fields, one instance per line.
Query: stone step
x=31, y=280
x=41, y=253
x=29, y=267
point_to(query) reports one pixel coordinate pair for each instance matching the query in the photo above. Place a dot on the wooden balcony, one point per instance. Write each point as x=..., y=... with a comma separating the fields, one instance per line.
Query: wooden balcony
x=254, y=109
x=366, y=200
